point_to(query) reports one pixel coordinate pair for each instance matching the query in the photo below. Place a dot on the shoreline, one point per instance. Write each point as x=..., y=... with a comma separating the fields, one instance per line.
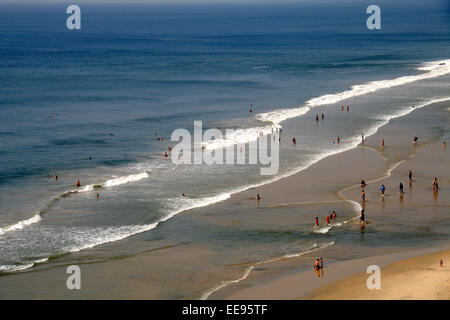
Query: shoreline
x=352, y=165
x=245, y=291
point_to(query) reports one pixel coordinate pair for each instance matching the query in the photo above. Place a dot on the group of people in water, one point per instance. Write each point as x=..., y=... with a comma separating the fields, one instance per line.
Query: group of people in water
x=328, y=219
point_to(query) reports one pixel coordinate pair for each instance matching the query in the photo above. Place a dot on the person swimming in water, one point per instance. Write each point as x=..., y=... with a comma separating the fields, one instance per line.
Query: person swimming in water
x=78, y=184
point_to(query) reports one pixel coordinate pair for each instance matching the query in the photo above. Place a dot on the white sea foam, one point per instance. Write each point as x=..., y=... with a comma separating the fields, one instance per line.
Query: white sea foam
x=126, y=179
x=15, y=267
x=21, y=224
x=434, y=69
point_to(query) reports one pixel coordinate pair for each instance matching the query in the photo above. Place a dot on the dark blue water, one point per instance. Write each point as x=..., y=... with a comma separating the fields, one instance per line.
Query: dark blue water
x=86, y=104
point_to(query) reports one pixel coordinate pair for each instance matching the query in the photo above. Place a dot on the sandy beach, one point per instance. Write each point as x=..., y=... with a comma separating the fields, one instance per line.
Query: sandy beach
x=331, y=182
x=402, y=279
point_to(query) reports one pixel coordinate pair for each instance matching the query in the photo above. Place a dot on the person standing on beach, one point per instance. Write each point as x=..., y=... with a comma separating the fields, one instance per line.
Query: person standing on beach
x=338, y=140
x=328, y=220
x=363, y=195
x=435, y=184
x=323, y=116
x=294, y=141
x=348, y=108
x=317, y=222
x=362, y=137
x=362, y=218
x=444, y=145
x=321, y=263
x=383, y=188
x=410, y=177
x=415, y=140
x=363, y=183
x=400, y=188
x=382, y=144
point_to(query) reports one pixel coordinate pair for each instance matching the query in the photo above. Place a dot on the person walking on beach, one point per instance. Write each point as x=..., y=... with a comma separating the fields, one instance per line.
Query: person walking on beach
x=323, y=116
x=383, y=188
x=441, y=263
x=410, y=177
x=400, y=188
x=435, y=184
x=258, y=197
x=321, y=263
x=317, y=117
x=317, y=264
x=363, y=195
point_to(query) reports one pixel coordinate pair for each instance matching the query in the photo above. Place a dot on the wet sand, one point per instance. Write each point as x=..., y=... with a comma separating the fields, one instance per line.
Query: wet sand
x=332, y=180
x=419, y=203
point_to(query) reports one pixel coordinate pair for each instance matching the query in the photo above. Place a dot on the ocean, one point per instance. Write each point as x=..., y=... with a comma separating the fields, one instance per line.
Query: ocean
x=93, y=104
